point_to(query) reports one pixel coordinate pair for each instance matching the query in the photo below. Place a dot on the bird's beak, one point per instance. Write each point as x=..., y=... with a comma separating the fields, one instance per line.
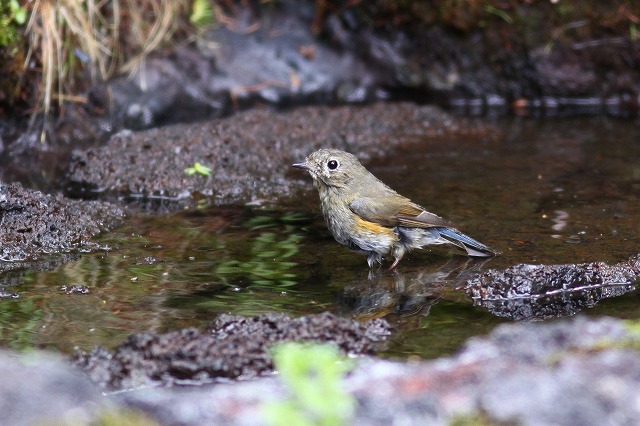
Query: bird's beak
x=303, y=166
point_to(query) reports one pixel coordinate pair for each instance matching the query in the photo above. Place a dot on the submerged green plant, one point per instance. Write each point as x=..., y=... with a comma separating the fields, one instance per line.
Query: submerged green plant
x=198, y=168
x=313, y=375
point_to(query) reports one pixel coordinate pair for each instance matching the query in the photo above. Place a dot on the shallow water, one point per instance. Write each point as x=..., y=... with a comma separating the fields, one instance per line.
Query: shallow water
x=552, y=192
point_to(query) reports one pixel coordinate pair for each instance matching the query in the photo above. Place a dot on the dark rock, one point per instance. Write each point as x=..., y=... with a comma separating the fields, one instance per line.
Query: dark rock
x=35, y=225
x=250, y=154
x=546, y=291
x=233, y=347
x=293, y=53
x=271, y=56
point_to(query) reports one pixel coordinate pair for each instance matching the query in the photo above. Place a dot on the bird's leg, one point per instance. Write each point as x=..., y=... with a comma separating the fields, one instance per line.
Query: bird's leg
x=374, y=258
x=396, y=260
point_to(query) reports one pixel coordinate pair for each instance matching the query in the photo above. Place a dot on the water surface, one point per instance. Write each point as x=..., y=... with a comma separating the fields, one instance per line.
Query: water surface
x=562, y=191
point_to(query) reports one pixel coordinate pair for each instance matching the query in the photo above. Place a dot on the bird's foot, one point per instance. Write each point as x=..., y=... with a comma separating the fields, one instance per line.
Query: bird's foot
x=396, y=260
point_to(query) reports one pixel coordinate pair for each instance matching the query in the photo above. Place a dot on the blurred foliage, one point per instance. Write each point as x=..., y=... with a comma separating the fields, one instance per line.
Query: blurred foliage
x=313, y=376
x=202, y=14
x=12, y=16
x=475, y=419
x=633, y=326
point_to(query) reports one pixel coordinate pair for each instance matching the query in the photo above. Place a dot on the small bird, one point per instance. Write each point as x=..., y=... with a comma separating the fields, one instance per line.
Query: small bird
x=370, y=218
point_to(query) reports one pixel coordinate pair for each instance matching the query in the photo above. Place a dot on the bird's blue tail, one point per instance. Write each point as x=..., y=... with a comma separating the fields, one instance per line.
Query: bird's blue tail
x=472, y=247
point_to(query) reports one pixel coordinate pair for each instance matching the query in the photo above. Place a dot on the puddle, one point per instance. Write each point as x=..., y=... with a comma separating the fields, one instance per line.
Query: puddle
x=551, y=192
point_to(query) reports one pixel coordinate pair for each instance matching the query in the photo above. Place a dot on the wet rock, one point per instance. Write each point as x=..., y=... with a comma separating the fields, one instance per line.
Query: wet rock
x=521, y=373
x=35, y=225
x=294, y=52
x=75, y=289
x=40, y=388
x=268, y=55
x=579, y=371
x=250, y=154
x=233, y=347
x=6, y=295
x=546, y=291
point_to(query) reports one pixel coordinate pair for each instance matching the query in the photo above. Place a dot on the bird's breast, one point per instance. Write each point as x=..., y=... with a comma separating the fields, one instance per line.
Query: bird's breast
x=350, y=229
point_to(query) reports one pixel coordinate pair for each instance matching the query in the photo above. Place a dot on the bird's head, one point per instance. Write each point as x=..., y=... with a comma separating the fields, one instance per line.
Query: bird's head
x=333, y=168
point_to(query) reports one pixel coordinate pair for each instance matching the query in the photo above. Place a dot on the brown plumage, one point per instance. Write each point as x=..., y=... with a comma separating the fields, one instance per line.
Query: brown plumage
x=369, y=217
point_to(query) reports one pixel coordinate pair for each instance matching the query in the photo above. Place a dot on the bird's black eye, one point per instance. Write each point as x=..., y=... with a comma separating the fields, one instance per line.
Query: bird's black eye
x=332, y=164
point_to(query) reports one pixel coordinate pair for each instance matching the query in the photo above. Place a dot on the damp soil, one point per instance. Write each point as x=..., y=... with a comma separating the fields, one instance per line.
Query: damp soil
x=561, y=192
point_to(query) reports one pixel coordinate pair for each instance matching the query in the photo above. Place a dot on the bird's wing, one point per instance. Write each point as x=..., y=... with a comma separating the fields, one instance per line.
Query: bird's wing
x=395, y=211
x=417, y=217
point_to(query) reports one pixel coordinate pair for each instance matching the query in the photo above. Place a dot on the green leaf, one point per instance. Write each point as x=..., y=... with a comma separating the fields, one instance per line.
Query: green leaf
x=202, y=14
x=198, y=168
x=19, y=13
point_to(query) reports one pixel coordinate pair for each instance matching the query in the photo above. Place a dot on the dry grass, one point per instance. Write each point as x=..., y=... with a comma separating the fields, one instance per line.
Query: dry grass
x=73, y=38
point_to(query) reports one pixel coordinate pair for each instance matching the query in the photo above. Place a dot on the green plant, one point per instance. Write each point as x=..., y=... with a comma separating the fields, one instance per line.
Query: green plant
x=12, y=15
x=199, y=169
x=313, y=375
x=202, y=14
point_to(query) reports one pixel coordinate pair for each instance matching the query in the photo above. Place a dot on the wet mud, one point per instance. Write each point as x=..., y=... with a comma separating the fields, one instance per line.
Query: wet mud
x=34, y=225
x=249, y=154
x=529, y=292
x=232, y=347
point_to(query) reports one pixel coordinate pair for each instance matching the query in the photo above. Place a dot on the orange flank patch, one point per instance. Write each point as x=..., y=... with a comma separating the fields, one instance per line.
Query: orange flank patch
x=373, y=228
